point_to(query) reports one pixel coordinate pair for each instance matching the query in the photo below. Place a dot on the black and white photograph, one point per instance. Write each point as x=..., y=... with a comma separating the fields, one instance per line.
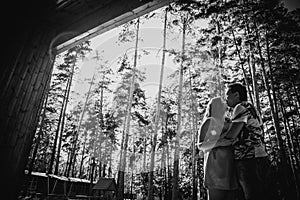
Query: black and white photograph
x=150, y=100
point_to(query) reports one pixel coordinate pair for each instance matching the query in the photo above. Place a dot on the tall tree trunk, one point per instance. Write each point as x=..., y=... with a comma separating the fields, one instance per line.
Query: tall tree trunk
x=296, y=92
x=164, y=125
x=169, y=173
x=123, y=154
x=254, y=81
x=252, y=67
x=82, y=154
x=39, y=135
x=242, y=66
x=175, y=189
x=220, y=84
x=274, y=112
x=290, y=149
x=72, y=151
x=104, y=159
x=85, y=104
x=73, y=154
x=58, y=128
x=157, y=115
x=273, y=103
x=295, y=159
x=67, y=164
x=99, y=152
x=145, y=152
x=293, y=142
x=110, y=161
x=93, y=164
x=63, y=119
x=169, y=176
x=73, y=163
x=193, y=129
x=101, y=123
x=132, y=165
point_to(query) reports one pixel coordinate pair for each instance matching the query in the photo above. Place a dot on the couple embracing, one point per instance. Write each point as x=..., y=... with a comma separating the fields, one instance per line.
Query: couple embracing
x=235, y=160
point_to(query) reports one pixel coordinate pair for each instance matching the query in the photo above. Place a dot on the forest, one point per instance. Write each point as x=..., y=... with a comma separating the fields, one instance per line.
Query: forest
x=149, y=144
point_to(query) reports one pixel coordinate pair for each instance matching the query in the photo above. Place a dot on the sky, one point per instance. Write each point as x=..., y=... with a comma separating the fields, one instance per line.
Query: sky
x=151, y=33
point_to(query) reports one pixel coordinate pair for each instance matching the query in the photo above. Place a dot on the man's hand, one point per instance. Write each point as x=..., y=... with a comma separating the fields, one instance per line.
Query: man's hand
x=234, y=130
x=222, y=142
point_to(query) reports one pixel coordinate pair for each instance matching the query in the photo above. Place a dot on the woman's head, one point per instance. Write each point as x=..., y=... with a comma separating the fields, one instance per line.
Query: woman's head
x=216, y=108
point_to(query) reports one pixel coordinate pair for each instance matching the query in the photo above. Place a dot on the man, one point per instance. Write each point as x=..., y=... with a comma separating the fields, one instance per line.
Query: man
x=249, y=152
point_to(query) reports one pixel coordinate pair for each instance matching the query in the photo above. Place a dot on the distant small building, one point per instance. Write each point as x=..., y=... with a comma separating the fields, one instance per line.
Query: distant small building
x=105, y=188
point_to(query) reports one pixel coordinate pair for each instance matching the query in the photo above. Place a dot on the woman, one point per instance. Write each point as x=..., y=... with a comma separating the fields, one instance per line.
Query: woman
x=219, y=175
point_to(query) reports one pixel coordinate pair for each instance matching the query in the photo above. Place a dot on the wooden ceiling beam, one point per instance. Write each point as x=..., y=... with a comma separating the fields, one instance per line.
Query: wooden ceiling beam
x=100, y=20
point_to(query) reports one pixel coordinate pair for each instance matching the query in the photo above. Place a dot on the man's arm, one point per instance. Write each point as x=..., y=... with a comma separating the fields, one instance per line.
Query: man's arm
x=234, y=130
x=231, y=134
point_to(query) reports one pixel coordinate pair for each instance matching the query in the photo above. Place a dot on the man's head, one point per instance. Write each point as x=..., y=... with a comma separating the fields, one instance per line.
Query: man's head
x=235, y=94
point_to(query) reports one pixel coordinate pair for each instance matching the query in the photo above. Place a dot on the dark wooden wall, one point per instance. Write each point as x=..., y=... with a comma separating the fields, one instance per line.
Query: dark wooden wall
x=24, y=75
x=29, y=40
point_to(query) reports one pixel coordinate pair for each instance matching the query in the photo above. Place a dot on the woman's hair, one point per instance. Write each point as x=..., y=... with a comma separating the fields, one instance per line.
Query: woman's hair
x=214, y=108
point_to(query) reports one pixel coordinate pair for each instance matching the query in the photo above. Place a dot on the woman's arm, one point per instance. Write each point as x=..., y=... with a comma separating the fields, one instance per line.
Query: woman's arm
x=202, y=135
x=209, y=134
x=204, y=128
x=207, y=145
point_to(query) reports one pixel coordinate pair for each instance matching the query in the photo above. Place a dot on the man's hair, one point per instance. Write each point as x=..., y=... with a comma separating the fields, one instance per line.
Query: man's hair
x=241, y=89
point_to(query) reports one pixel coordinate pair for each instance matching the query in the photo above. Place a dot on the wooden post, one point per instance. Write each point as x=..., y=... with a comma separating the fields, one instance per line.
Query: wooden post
x=93, y=164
